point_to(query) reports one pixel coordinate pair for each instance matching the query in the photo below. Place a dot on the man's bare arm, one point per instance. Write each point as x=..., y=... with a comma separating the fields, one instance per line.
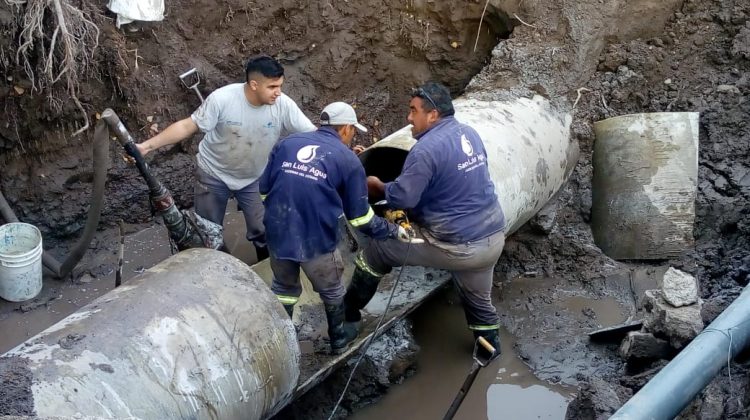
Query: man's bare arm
x=173, y=134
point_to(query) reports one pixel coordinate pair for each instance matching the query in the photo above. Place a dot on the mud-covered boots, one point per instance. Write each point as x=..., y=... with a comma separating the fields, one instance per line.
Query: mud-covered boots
x=493, y=337
x=261, y=253
x=340, y=333
x=358, y=294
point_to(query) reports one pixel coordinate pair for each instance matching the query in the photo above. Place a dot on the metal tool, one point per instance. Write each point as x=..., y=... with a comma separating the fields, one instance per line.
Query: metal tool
x=479, y=362
x=191, y=79
x=399, y=218
x=183, y=230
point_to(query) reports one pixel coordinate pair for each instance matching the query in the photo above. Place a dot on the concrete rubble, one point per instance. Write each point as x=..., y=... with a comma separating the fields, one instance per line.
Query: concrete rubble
x=641, y=346
x=678, y=325
x=679, y=288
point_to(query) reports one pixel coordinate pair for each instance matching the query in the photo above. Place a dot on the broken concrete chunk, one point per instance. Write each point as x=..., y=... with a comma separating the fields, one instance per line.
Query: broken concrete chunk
x=544, y=221
x=679, y=325
x=641, y=346
x=680, y=288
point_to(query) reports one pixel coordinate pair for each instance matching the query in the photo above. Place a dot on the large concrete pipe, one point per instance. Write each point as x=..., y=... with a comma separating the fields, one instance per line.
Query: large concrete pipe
x=644, y=187
x=672, y=389
x=529, y=150
x=198, y=336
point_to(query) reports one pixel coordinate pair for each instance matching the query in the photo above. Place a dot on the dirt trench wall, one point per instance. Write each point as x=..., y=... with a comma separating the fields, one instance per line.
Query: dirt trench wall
x=555, y=50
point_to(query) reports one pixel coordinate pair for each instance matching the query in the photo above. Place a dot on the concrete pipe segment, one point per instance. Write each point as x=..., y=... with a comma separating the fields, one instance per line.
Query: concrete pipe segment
x=198, y=336
x=644, y=186
x=528, y=145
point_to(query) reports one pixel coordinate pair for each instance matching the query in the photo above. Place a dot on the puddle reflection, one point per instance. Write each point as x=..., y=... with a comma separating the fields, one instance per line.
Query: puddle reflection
x=506, y=389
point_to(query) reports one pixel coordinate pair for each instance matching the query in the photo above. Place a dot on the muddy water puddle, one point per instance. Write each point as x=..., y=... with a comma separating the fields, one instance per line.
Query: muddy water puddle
x=506, y=386
x=549, y=316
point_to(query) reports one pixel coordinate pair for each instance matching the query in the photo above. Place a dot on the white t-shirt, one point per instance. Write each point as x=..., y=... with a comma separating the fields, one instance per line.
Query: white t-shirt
x=240, y=136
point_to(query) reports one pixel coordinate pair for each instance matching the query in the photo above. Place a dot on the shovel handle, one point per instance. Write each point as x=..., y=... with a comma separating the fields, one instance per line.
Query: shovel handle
x=188, y=73
x=486, y=344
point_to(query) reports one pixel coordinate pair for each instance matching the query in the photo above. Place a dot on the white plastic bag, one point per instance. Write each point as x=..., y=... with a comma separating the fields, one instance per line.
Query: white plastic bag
x=130, y=10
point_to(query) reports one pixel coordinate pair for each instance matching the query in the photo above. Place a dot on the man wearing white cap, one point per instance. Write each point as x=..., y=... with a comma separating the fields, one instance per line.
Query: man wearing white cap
x=312, y=179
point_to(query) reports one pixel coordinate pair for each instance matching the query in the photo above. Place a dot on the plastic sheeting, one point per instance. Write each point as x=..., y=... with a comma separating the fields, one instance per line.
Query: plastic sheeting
x=131, y=10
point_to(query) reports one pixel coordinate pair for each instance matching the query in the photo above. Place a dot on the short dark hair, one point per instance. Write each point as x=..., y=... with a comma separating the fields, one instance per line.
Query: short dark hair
x=435, y=96
x=264, y=65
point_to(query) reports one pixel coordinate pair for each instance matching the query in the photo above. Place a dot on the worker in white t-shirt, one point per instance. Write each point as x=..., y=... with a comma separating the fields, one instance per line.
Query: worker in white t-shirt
x=242, y=122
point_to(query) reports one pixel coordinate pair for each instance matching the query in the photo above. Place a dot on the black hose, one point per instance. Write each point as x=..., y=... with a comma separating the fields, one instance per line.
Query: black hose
x=100, y=162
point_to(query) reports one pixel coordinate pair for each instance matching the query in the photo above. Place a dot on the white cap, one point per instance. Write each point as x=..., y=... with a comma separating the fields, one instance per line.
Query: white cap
x=340, y=113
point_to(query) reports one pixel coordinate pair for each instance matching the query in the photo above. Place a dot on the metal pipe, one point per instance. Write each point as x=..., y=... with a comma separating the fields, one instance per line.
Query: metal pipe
x=667, y=393
x=529, y=150
x=182, y=232
x=198, y=336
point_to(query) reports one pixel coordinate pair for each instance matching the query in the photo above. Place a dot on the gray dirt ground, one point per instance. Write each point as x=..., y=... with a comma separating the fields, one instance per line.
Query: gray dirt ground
x=631, y=56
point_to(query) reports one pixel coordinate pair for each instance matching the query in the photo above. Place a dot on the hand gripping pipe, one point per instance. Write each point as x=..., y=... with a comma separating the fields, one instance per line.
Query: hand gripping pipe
x=664, y=396
x=183, y=233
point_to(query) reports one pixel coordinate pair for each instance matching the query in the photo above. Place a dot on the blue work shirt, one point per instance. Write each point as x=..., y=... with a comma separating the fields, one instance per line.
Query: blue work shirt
x=445, y=184
x=311, y=179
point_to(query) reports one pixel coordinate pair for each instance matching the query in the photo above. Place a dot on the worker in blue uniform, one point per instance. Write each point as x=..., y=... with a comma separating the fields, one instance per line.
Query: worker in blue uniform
x=446, y=188
x=311, y=179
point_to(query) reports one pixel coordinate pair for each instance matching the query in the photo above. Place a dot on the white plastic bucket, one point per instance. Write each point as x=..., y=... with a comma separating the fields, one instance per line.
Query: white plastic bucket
x=20, y=261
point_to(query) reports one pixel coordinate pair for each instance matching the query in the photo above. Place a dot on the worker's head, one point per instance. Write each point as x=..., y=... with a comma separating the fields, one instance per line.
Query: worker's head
x=429, y=103
x=264, y=76
x=343, y=119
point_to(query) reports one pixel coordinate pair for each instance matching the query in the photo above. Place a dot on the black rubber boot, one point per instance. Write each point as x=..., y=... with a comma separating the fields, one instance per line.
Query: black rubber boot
x=340, y=333
x=289, y=309
x=358, y=294
x=261, y=252
x=493, y=336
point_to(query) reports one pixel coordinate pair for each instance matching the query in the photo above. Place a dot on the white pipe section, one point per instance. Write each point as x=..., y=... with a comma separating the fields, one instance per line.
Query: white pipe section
x=645, y=184
x=198, y=336
x=529, y=149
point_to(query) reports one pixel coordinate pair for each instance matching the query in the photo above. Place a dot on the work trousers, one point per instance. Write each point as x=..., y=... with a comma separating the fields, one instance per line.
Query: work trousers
x=471, y=264
x=324, y=272
x=212, y=195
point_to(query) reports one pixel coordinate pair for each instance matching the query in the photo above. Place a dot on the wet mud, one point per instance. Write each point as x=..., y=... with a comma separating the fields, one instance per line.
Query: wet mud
x=16, y=398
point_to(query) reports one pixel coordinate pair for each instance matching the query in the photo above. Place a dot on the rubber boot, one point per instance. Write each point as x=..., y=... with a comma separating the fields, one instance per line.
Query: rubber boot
x=261, y=252
x=493, y=336
x=358, y=294
x=289, y=310
x=341, y=335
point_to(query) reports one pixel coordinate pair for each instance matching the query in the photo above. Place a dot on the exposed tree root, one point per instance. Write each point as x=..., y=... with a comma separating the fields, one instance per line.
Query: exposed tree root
x=56, y=43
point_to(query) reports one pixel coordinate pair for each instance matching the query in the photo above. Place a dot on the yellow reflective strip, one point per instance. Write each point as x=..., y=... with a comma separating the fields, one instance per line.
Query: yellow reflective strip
x=263, y=196
x=484, y=327
x=362, y=264
x=359, y=221
x=287, y=300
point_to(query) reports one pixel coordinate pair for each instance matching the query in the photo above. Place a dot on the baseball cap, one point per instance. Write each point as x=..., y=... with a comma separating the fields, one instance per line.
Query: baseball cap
x=340, y=113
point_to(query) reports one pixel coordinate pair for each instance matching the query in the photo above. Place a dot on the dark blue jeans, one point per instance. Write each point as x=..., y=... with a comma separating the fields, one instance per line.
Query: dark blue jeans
x=212, y=195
